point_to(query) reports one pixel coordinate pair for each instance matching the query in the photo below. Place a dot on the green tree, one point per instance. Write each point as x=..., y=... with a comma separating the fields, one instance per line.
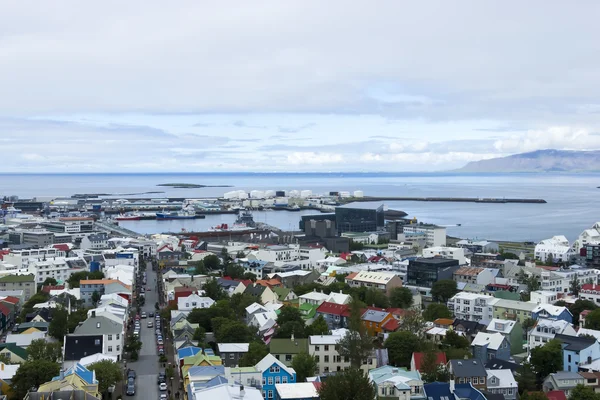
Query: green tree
x=431, y=370
x=50, y=282
x=400, y=346
x=289, y=314
x=355, y=246
x=213, y=290
x=581, y=392
x=376, y=298
x=59, y=325
x=32, y=374
x=528, y=324
x=413, y=322
x=74, y=279
x=351, y=384
x=533, y=283
x=443, y=290
x=234, y=271
x=577, y=307
x=199, y=268
x=456, y=341
x=256, y=352
x=286, y=330
x=212, y=262
x=435, y=311
x=401, y=297
x=547, y=359
x=549, y=259
x=592, y=321
x=199, y=334
x=318, y=327
x=239, y=302
x=95, y=298
x=229, y=331
x=533, y=395
x=305, y=366
x=575, y=286
x=240, y=254
x=452, y=353
x=6, y=359
x=39, y=349
x=526, y=378
x=356, y=345
x=75, y=318
x=108, y=374
x=133, y=345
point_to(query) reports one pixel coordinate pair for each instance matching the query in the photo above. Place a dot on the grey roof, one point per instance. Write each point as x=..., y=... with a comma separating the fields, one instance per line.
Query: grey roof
x=575, y=343
x=90, y=326
x=566, y=375
x=374, y=316
x=98, y=237
x=467, y=368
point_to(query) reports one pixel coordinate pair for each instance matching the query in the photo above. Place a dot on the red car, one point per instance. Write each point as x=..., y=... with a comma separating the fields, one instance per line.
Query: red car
x=137, y=317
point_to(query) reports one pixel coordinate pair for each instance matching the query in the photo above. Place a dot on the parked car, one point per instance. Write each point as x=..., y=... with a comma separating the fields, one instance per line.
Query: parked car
x=144, y=315
x=131, y=389
x=157, y=332
x=150, y=324
x=160, y=341
x=162, y=377
x=130, y=373
x=151, y=314
x=162, y=386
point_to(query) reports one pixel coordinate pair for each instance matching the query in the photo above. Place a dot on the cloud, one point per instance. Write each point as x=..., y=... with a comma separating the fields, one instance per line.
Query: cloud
x=551, y=138
x=313, y=158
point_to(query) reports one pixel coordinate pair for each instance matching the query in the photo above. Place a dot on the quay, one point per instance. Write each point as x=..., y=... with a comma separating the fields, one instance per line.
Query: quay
x=447, y=199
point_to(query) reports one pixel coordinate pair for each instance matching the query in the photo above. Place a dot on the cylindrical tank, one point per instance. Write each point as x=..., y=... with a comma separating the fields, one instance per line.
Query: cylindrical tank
x=305, y=193
x=359, y=193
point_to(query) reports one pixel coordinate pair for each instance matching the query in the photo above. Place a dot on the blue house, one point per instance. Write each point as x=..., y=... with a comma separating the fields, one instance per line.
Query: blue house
x=438, y=391
x=274, y=372
x=487, y=346
x=85, y=374
x=549, y=311
x=578, y=351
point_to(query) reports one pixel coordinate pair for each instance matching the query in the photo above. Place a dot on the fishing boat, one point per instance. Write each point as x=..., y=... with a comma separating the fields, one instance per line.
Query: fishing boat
x=128, y=217
x=244, y=222
x=184, y=213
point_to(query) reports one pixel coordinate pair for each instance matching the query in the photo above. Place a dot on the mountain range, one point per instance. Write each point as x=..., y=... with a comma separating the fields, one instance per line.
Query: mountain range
x=539, y=161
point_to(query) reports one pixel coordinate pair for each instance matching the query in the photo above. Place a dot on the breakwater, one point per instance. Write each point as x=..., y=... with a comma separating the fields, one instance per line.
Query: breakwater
x=448, y=199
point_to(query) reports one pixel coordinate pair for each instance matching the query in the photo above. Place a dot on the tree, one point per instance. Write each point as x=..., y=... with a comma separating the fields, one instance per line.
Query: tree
x=108, y=374
x=456, y=341
x=401, y=297
x=39, y=349
x=431, y=370
x=305, y=366
x=74, y=279
x=212, y=262
x=532, y=395
x=592, y=321
x=289, y=314
x=318, y=327
x=547, y=359
x=528, y=324
x=400, y=346
x=286, y=330
x=239, y=302
x=377, y=298
x=59, y=325
x=575, y=286
x=577, y=307
x=228, y=331
x=356, y=345
x=435, y=311
x=351, y=384
x=133, y=347
x=443, y=290
x=6, y=359
x=240, y=254
x=199, y=334
x=213, y=290
x=550, y=259
x=526, y=378
x=533, y=283
x=50, y=282
x=234, y=271
x=581, y=392
x=75, y=318
x=96, y=297
x=32, y=374
x=256, y=352
x=199, y=268
x=413, y=322
x=355, y=246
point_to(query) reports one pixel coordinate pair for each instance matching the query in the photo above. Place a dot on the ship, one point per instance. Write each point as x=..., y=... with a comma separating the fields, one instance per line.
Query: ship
x=244, y=222
x=128, y=217
x=184, y=213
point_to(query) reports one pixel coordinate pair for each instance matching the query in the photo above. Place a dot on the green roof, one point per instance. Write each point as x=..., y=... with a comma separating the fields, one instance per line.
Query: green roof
x=287, y=346
x=13, y=348
x=506, y=295
x=281, y=292
x=308, y=310
x=18, y=278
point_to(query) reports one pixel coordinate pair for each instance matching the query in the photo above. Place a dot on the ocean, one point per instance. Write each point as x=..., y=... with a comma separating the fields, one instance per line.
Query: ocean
x=572, y=199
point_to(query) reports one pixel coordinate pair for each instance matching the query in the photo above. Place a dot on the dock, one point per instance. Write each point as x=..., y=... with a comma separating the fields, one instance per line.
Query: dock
x=448, y=199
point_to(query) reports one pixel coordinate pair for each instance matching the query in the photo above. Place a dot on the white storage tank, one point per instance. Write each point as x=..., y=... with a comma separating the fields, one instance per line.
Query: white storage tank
x=269, y=193
x=294, y=193
x=344, y=194
x=305, y=193
x=269, y=202
x=242, y=195
x=231, y=195
x=257, y=194
x=281, y=202
x=359, y=193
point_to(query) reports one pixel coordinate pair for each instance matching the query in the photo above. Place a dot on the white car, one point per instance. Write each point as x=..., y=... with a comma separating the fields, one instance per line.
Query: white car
x=162, y=387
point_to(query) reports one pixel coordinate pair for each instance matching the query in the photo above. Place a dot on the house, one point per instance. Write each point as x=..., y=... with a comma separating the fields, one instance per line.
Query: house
x=502, y=381
x=87, y=288
x=284, y=295
x=556, y=249
x=284, y=349
x=497, y=363
x=486, y=346
x=95, y=241
x=468, y=371
x=297, y=391
x=24, y=339
x=274, y=372
x=592, y=379
x=87, y=380
x=397, y=383
x=578, y=350
x=375, y=320
x=515, y=310
x=480, y=246
x=564, y=381
x=291, y=279
x=13, y=353
x=324, y=349
x=549, y=311
x=439, y=391
x=7, y=372
x=112, y=332
x=336, y=315
x=545, y=330
x=194, y=301
x=416, y=360
x=261, y=293
x=512, y=330
x=590, y=292
x=469, y=328
x=224, y=391
x=472, y=307
x=384, y=281
x=231, y=286
x=232, y=352
x=25, y=282
x=60, y=394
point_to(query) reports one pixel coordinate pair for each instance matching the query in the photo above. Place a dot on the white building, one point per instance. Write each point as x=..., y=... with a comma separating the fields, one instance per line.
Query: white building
x=304, y=257
x=543, y=297
x=472, y=306
x=557, y=247
x=435, y=235
x=56, y=268
x=560, y=281
x=22, y=258
x=323, y=347
x=94, y=241
x=588, y=236
x=590, y=292
x=545, y=329
x=503, y=382
x=452, y=253
x=318, y=298
x=194, y=301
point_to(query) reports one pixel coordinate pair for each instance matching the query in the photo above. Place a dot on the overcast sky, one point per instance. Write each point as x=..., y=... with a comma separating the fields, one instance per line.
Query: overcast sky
x=293, y=85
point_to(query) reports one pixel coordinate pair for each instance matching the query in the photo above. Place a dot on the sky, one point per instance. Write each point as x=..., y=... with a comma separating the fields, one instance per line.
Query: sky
x=198, y=86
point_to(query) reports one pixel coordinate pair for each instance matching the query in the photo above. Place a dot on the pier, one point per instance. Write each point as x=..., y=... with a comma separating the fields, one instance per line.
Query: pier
x=447, y=199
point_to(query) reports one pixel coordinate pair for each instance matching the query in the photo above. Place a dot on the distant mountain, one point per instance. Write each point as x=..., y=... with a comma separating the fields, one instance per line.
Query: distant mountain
x=539, y=161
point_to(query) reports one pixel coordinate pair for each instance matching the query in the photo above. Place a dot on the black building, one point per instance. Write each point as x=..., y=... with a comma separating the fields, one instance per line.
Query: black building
x=424, y=272
x=79, y=346
x=359, y=218
x=591, y=253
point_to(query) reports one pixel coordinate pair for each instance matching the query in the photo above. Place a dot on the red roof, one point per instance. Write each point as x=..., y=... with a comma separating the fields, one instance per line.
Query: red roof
x=584, y=313
x=391, y=325
x=345, y=256
x=590, y=286
x=317, y=385
x=419, y=357
x=4, y=310
x=351, y=275
x=4, y=253
x=200, y=251
x=62, y=247
x=48, y=288
x=11, y=299
x=334, y=309
x=556, y=395
x=246, y=282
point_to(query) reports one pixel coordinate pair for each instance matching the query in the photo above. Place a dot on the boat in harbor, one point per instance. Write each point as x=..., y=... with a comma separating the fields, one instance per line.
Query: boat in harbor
x=128, y=217
x=244, y=222
x=184, y=213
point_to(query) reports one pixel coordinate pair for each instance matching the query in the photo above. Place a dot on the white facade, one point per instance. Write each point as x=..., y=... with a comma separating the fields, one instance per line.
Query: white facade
x=589, y=236
x=22, y=258
x=435, y=235
x=56, y=268
x=545, y=330
x=560, y=281
x=557, y=247
x=452, y=253
x=543, y=297
x=590, y=292
x=472, y=306
x=328, y=359
x=194, y=301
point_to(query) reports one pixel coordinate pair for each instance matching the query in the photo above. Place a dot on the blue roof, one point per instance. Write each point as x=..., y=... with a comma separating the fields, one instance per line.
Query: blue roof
x=188, y=352
x=209, y=352
x=216, y=381
x=467, y=391
x=209, y=369
x=82, y=372
x=437, y=390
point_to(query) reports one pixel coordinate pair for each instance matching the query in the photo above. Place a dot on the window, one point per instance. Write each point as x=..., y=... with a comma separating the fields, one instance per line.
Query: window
x=110, y=348
x=264, y=394
x=284, y=379
x=326, y=347
x=288, y=357
x=326, y=358
x=270, y=380
x=231, y=356
x=264, y=381
x=109, y=337
x=270, y=394
x=97, y=342
x=317, y=348
x=277, y=369
x=277, y=380
x=317, y=359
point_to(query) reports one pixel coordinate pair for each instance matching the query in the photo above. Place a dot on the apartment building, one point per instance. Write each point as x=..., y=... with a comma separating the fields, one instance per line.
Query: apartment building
x=545, y=330
x=452, y=253
x=475, y=275
x=424, y=272
x=57, y=268
x=72, y=225
x=22, y=258
x=24, y=282
x=384, y=281
x=560, y=281
x=95, y=241
x=514, y=310
x=590, y=292
x=324, y=348
x=434, y=235
x=472, y=306
x=556, y=248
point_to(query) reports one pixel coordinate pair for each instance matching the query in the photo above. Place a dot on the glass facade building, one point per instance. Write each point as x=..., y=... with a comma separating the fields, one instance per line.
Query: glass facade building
x=359, y=218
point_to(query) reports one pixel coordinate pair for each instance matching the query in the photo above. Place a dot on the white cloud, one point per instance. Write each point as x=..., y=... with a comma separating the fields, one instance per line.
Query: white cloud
x=559, y=137
x=312, y=158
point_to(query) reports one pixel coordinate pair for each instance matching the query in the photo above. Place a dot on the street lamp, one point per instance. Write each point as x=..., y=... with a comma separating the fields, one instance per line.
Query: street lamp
x=172, y=389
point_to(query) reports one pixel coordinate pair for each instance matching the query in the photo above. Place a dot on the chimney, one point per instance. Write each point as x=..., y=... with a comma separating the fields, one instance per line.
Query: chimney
x=62, y=374
x=341, y=291
x=242, y=392
x=292, y=337
x=93, y=313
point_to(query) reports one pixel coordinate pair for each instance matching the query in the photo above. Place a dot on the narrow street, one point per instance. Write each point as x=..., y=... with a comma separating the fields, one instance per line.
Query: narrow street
x=147, y=366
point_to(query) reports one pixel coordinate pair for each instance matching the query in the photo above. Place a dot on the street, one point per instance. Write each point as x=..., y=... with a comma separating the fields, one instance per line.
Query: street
x=147, y=366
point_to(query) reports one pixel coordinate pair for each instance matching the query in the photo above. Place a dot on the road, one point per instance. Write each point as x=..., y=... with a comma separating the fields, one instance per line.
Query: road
x=147, y=366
